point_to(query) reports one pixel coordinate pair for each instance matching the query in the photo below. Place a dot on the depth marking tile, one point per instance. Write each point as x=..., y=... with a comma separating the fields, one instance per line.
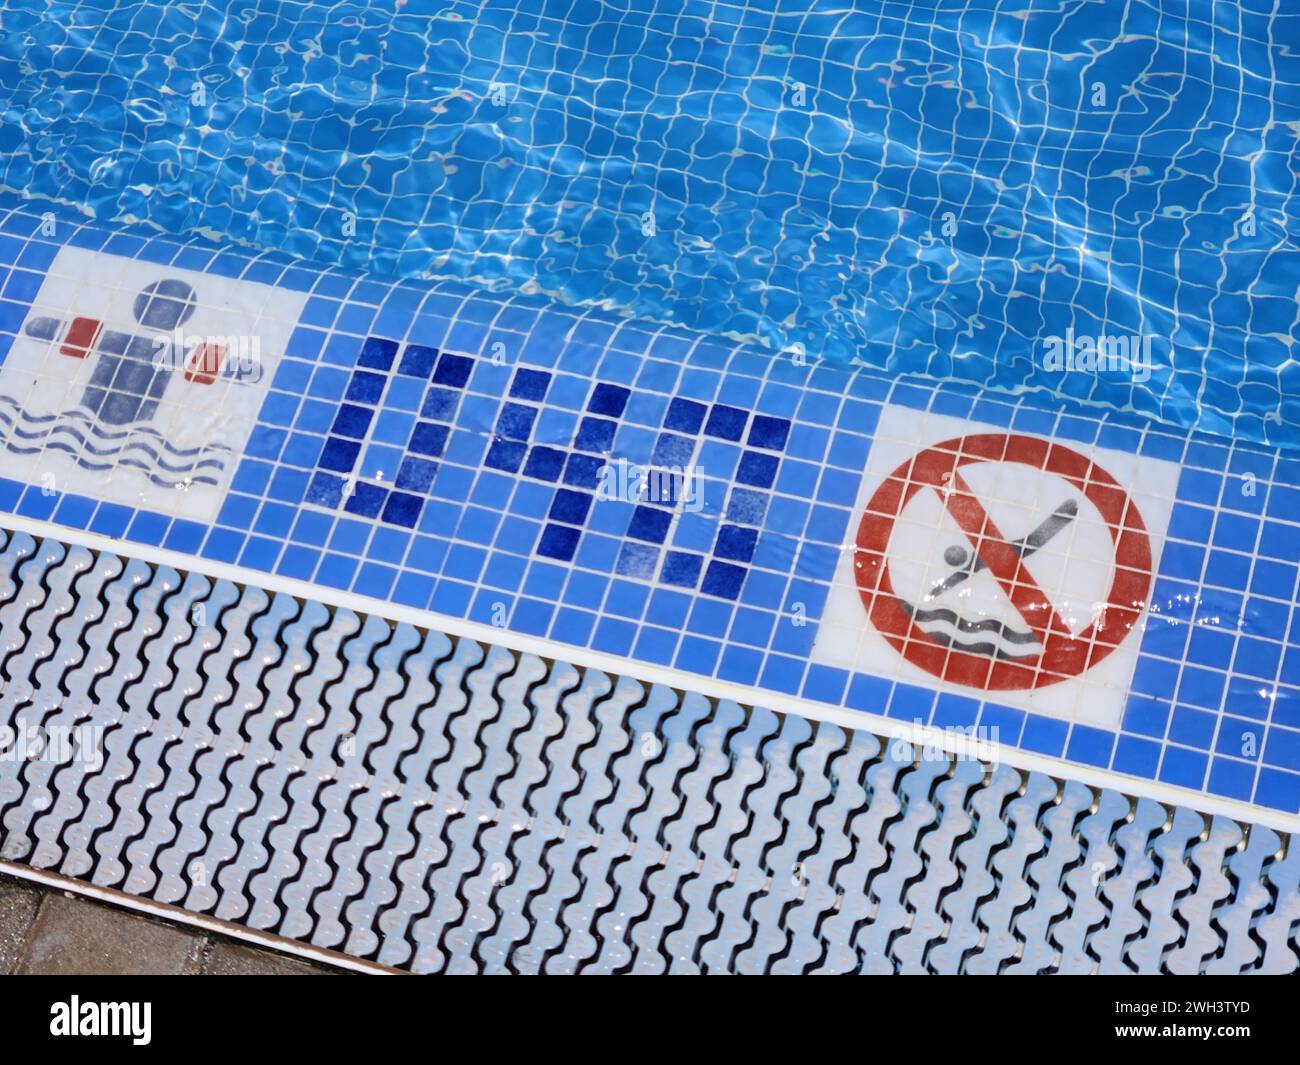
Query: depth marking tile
x=685, y=503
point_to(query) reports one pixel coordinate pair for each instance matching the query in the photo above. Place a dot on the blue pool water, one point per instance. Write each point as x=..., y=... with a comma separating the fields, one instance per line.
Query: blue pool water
x=925, y=187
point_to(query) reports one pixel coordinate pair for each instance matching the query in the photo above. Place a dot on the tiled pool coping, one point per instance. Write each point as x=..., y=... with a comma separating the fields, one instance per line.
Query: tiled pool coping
x=461, y=459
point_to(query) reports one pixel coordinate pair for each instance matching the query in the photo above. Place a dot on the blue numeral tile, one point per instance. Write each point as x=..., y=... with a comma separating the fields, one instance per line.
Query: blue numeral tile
x=516, y=421
x=352, y=421
x=340, y=455
x=377, y=353
x=439, y=404
x=558, y=542
x=726, y=423
x=429, y=439
x=637, y=560
x=609, y=400
x=570, y=507
x=756, y=469
x=544, y=464
x=417, y=360
x=673, y=450
x=735, y=543
x=453, y=370
x=402, y=509
x=723, y=580
x=505, y=455
x=595, y=434
x=416, y=475
x=366, y=500
x=747, y=507
x=650, y=523
x=767, y=432
x=530, y=384
x=685, y=415
x=681, y=569
x=365, y=387
x=583, y=471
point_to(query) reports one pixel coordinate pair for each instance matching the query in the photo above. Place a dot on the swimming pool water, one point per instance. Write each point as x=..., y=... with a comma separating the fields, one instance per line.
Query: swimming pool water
x=935, y=187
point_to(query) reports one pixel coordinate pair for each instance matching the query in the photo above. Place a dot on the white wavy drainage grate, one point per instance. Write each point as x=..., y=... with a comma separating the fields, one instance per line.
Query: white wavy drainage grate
x=444, y=806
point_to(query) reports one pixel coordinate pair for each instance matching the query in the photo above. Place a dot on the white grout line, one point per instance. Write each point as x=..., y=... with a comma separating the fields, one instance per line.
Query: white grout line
x=625, y=667
x=177, y=915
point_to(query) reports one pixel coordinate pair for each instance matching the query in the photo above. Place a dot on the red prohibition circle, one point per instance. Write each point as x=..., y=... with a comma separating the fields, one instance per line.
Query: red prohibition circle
x=1064, y=654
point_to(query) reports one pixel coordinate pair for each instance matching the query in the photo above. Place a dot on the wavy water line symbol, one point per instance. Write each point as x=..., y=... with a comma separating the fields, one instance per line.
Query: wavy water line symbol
x=77, y=432
x=1000, y=640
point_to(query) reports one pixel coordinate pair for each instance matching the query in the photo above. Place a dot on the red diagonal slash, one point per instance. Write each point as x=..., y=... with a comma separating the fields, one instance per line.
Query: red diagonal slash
x=1003, y=561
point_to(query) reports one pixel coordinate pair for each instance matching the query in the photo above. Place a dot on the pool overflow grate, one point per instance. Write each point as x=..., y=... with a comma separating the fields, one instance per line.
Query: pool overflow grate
x=441, y=805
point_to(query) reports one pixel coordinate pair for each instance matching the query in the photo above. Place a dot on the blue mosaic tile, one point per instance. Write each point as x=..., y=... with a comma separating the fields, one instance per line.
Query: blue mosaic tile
x=700, y=507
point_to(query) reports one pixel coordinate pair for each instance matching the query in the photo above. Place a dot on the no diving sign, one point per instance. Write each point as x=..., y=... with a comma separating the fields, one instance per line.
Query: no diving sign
x=999, y=562
x=1061, y=653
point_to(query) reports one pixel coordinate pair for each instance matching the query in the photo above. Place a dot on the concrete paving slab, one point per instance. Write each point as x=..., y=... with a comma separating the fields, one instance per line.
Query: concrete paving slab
x=19, y=904
x=73, y=937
